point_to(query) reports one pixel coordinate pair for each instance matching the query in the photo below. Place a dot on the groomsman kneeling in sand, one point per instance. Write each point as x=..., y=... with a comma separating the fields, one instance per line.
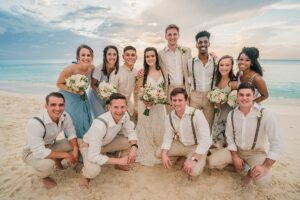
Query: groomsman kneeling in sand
x=110, y=132
x=42, y=151
x=187, y=134
x=247, y=129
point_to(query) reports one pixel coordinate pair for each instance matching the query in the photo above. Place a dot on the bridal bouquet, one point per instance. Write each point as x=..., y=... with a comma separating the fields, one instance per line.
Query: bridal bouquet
x=105, y=89
x=78, y=83
x=232, y=98
x=217, y=96
x=153, y=94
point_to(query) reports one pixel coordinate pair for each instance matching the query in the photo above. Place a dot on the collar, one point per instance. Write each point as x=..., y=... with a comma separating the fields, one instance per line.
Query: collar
x=210, y=59
x=255, y=106
x=187, y=111
x=111, y=121
x=127, y=68
x=166, y=49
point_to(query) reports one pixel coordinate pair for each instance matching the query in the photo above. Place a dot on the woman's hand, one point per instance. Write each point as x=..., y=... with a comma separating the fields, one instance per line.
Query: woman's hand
x=147, y=104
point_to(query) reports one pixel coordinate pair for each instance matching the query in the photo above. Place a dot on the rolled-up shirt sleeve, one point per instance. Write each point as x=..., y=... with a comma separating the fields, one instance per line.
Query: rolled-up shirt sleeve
x=168, y=135
x=69, y=128
x=35, y=132
x=274, y=137
x=95, y=138
x=202, y=133
x=229, y=134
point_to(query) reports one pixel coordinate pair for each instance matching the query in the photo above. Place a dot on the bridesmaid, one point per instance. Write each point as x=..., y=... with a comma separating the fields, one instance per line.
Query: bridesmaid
x=102, y=73
x=226, y=81
x=250, y=71
x=78, y=109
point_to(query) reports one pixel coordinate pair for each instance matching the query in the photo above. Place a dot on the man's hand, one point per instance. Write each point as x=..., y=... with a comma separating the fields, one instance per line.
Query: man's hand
x=166, y=160
x=141, y=73
x=75, y=154
x=188, y=165
x=132, y=155
x=259, y=171
x=238, y=162
x=70, y=159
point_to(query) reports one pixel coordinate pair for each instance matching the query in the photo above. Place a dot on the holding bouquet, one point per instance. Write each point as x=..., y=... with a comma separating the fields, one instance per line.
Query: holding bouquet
x=105, y=89
x=153, y=95
x=78, y=83
x=217, y=96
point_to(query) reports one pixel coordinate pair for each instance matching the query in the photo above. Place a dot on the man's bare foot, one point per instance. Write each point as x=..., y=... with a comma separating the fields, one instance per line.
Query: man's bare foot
x=84, y=182
x=49, y=183
x=58, y=164
x=246, y=180
x=123, y=167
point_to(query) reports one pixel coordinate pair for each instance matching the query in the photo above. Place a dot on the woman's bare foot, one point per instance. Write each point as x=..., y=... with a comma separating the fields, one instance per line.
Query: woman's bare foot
x=84, y=182
x=49, y=183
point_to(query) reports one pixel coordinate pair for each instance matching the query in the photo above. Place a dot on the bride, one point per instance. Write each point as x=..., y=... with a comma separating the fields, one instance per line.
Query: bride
x=150, y=129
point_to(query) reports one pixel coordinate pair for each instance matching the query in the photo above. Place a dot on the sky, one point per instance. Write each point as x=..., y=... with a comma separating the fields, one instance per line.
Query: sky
x=53, y=29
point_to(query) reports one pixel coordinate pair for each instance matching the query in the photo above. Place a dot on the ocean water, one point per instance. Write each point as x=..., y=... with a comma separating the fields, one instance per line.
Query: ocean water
x=39, y=76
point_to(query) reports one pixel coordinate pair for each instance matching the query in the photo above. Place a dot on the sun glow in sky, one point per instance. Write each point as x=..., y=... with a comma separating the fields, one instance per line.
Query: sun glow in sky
x=33, y=29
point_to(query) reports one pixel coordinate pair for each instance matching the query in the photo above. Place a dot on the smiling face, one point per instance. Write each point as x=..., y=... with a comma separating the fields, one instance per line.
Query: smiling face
x=117, y=107
x=244, y=62
x=130, y=57
x=202, y=45
x=150, y=58
x=225, y=66
x=85, y=56
x=111, y=57
x=245, y=98
x=172, y=36
x=178, y=102
x=55, y=107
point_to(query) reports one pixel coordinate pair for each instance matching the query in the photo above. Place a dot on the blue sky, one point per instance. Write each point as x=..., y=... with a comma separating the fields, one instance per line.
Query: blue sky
x=44, y=29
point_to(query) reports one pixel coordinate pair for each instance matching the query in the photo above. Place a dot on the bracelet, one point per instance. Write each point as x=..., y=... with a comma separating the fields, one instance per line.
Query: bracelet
x=135, y=145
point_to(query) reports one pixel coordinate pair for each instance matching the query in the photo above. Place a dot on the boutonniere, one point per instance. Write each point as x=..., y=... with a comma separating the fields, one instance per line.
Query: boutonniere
x=183, y=51
x=259, y=114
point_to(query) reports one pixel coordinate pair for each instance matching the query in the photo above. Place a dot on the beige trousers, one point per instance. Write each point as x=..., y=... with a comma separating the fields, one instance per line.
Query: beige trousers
x=90, y=169
x=44, y=167
x=221, y=158
x=178, y=149
x=200, y=101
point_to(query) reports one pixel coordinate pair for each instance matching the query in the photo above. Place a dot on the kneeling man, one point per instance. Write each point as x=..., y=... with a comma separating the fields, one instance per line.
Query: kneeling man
x=110, y=132
x=42, y=151
x=187, y=134
x=248, y=128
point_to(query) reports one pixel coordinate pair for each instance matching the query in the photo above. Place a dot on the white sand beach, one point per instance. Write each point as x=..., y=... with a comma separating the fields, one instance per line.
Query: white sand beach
x=17, y=180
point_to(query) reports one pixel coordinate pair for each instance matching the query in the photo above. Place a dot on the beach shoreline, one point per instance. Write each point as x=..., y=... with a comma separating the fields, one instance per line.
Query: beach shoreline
x=19, y=182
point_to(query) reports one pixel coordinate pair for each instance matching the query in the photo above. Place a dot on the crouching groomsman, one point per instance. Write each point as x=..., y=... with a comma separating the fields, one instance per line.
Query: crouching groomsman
x=187, y=134
x=247, y=130
x=110, y=132
x=42, y=151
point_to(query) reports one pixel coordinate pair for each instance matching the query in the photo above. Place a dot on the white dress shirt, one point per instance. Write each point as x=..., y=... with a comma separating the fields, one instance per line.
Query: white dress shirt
x=203, y=74
x=35, y=132
x=98, y=135
x=174, y=66
x=245, y=128
x=184, y=130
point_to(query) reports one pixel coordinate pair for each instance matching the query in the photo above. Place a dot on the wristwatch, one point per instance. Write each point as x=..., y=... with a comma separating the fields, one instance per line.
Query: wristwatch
x=194, y=159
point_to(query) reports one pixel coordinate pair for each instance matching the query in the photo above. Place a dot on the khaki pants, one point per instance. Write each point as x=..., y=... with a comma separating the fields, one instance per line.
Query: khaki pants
x=200, y=101
x=178, y=149
x=91, y=169
x=44, y=167
x=221, y=158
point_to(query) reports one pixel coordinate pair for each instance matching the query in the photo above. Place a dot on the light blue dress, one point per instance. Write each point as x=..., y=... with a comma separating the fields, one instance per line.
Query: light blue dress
x=80, y=112
x=97, y=104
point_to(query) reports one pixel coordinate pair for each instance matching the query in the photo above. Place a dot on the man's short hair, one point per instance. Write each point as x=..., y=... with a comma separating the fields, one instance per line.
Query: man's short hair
x=179, y=90
x=54, y=94
x=129, y=48
x=172, y=26
x=116, y=96
x=202, y=34
x=246, y=85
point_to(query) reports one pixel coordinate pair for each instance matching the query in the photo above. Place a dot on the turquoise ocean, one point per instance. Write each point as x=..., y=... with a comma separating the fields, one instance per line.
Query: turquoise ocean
x=39, y=76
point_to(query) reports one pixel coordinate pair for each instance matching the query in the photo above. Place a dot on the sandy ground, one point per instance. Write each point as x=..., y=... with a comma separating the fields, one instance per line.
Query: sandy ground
x=17, y=180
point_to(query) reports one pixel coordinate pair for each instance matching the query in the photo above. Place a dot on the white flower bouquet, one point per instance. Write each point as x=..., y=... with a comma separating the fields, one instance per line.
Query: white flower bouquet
x=78, y=83
x=232, y=98
x=153, y=94
x=217, y=96
x=105, y=89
